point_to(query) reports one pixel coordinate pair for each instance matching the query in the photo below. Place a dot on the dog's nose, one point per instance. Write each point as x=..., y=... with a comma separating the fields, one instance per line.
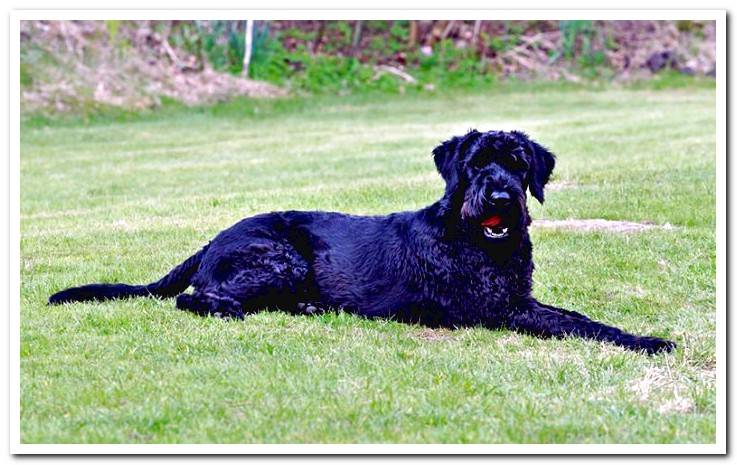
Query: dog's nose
x=500, y=199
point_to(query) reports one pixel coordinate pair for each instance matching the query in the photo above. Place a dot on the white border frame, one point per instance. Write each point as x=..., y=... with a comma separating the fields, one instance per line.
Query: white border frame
x=14, y=237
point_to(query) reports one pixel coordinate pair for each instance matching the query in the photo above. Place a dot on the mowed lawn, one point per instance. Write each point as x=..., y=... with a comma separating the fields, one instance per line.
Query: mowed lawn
x=125, y=202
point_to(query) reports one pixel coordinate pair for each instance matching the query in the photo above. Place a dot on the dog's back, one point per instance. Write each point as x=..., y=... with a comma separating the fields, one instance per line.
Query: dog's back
x=335, y=260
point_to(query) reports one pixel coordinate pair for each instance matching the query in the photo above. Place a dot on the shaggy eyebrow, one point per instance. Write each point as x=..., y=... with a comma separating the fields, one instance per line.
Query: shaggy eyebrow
x=483, y=154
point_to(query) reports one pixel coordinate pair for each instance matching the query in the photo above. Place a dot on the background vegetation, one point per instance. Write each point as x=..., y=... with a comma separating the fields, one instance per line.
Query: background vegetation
x=85, y=66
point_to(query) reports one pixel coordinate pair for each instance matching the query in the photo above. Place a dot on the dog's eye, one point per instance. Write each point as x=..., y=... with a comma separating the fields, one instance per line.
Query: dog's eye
x=478, y=162
x=515, y=161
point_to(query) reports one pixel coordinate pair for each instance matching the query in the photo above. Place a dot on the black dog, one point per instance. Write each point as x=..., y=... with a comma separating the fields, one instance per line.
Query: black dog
x=464, y=260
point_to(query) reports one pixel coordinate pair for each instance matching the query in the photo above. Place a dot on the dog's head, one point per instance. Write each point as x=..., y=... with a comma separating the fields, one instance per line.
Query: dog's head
x=487, y=175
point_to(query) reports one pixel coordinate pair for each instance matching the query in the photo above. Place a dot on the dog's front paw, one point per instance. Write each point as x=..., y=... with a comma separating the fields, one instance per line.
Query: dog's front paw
x=309, y=309
x=227, y=315
x=652, y=345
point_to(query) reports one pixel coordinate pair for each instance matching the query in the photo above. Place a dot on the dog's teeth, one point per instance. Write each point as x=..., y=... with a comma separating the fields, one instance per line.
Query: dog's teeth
x=491, y=232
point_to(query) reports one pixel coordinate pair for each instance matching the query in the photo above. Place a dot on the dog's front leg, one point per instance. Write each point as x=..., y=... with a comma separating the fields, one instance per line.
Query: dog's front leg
x=531, y=317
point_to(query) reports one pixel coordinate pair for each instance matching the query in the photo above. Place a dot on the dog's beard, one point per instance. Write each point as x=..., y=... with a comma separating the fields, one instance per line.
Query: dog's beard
x=484, y=221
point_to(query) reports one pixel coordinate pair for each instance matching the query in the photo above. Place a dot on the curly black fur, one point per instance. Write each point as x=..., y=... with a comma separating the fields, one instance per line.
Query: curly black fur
x=438, y=266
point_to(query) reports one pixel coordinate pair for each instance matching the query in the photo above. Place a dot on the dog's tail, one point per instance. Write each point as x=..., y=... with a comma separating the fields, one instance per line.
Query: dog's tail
x=176, y=281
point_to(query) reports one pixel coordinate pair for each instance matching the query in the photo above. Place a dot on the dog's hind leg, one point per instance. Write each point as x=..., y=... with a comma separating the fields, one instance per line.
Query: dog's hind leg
x=250, y=279
x=531, y=317
x=206, y=303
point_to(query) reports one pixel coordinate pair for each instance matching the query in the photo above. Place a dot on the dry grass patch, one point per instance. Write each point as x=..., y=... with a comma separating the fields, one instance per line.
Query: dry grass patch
x=435, y=335
x=660, y=387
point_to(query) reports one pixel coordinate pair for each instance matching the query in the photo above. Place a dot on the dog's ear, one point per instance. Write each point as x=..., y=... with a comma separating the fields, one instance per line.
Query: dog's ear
x=447, y=157
x=542, y=162
x=443, y=156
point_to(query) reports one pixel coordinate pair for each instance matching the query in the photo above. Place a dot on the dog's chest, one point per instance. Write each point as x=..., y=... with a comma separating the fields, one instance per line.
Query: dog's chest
x=472, y=277
x=470, y=288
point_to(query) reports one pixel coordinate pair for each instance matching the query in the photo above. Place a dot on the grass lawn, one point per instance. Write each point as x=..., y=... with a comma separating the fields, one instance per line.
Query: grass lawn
x=128, y=201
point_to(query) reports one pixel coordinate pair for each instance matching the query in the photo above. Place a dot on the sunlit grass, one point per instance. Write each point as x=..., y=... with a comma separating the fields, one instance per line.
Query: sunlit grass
x=127, y=201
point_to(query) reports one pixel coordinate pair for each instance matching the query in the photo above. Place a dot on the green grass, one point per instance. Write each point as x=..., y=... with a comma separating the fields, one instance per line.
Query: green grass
x=126, y=201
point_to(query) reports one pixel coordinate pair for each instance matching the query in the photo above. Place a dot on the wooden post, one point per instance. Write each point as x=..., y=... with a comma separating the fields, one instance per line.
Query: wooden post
x=412, y=33
x=476, y=30
x=247, y=47
x=356, y=36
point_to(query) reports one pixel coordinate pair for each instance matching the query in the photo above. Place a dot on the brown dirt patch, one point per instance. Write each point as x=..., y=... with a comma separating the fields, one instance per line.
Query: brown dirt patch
x=596, y=224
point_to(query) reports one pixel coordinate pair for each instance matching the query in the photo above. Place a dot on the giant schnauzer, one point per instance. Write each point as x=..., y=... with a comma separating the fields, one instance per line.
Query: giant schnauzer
x=464, y=260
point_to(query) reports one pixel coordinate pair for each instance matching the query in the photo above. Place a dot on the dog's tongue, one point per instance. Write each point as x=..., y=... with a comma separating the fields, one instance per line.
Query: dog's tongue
x=492, y=221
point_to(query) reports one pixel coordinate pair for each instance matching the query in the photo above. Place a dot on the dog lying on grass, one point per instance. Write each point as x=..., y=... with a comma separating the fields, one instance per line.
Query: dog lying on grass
x=465, y=260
